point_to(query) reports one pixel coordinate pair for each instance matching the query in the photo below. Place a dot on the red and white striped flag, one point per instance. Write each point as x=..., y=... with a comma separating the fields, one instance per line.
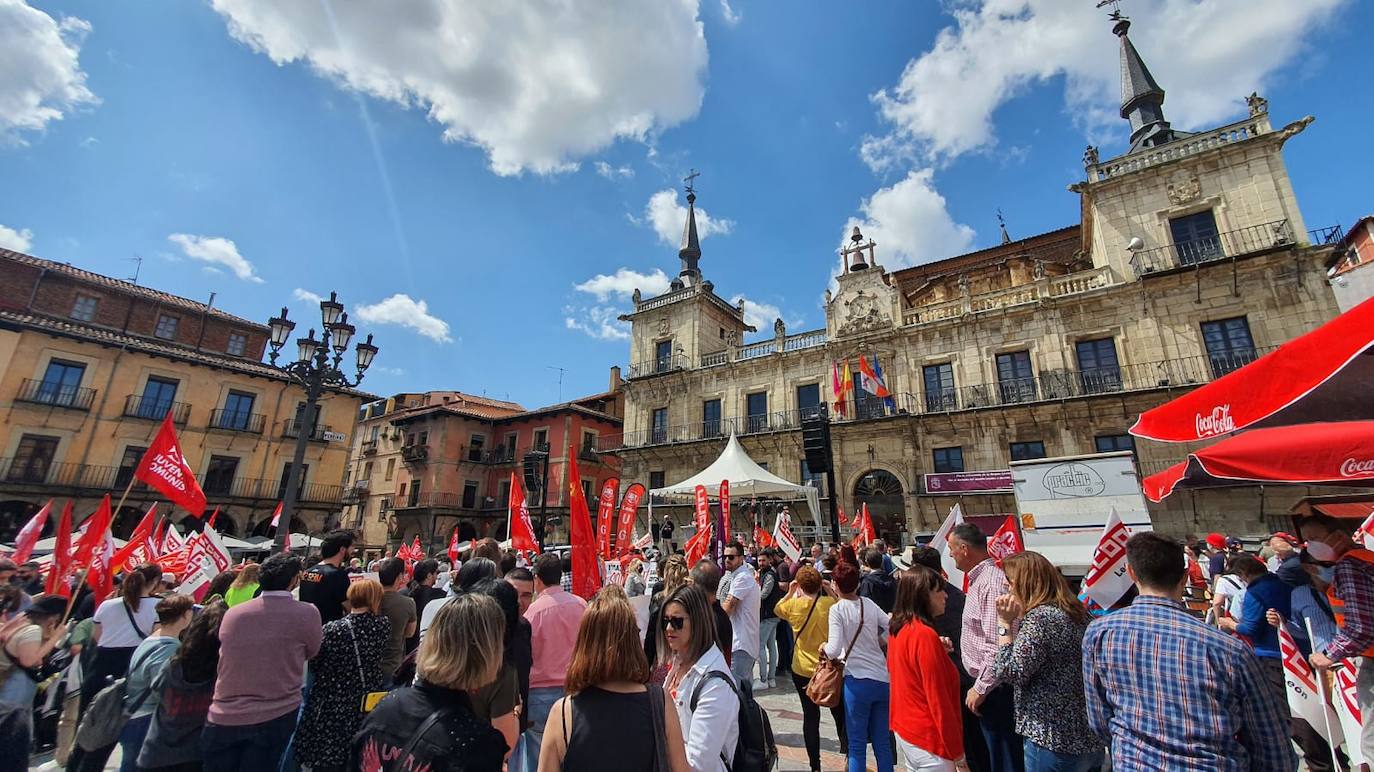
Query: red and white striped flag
x=276, y=515
x=1305, y=698
x=1107, y=580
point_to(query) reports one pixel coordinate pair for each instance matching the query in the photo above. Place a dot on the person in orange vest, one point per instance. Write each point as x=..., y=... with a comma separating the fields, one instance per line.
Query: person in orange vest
x=1352, y=593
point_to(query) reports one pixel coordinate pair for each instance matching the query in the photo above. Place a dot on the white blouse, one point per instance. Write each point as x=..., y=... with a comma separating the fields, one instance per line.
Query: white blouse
x=867, y=660
x=713, y=729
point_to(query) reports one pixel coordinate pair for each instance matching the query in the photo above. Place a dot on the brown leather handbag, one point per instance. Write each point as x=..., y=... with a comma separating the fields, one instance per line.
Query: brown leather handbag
x=826, y=686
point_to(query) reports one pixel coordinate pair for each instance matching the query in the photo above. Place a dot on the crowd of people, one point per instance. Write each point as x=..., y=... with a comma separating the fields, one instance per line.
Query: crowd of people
x=494, y=664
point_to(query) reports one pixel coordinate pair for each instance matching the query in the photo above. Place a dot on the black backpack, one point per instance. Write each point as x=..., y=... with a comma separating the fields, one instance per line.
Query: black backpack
x=755, y=750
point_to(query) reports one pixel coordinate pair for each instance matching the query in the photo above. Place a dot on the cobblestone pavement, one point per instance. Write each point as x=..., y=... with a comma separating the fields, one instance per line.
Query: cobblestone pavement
x=784, y=713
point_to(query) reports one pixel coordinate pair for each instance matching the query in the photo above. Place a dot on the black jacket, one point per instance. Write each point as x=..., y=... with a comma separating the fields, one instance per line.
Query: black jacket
x=459, y=742
x=879, y=587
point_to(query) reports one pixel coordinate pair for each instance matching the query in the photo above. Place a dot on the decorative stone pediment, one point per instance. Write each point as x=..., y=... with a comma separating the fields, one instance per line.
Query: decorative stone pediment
x=1183, y=188
x=864, y=303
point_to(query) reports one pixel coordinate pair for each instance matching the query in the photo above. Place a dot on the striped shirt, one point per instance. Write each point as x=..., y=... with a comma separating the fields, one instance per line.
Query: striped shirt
x=1165, y=691
x=978, y=641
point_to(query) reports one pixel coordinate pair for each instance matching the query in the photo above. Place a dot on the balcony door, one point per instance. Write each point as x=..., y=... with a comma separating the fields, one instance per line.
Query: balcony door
x=1229, y=344
x=710, y=418
x=1015, y=377
x=238, y=411
x=286, y=475
x=158, y=396
x=1098, y=367
x=756, y=410
x=808, y=400
x=1195, y=237
x=32, y=459
x=60, y=383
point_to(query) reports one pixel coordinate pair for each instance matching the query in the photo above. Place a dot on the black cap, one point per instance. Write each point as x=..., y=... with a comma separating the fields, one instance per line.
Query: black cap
x=48, y=605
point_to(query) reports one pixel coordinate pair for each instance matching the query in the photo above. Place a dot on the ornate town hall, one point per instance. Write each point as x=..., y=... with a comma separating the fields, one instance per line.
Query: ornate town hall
x=1190, y=260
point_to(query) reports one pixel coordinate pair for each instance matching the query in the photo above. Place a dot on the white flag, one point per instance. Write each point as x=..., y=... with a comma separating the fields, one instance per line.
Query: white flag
x=1107, y=580
x=1348, y=708
x=940, y=541
x=782, y=536
x=1305, y=698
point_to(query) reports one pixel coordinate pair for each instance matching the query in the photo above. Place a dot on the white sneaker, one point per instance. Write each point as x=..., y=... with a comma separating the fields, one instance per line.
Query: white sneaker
x=772, y=683
x=759, y=685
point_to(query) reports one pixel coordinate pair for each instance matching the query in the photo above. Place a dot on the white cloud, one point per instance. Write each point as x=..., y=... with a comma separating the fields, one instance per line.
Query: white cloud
x=763, y=315
x=536, y=86
x=599, y=322
x=405, y=311
x=1206, y=55
x=729, y=14
x=614, y=172
x=624, y=282
x=668, y=218
x=19, y=240
x=306, y=295
x=216, y=252
x=40, y=77
x=910, y=223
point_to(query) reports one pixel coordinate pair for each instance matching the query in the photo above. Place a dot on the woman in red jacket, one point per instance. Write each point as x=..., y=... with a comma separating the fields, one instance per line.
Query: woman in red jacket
x=925, y=684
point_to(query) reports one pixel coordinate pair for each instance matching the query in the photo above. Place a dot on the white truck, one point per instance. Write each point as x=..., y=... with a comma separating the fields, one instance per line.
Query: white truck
x=1064, y=502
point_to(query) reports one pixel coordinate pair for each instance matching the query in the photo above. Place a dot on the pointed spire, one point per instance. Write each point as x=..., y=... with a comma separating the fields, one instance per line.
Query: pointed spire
x=690, y=252
x=1142, y=100
x=1006, y=237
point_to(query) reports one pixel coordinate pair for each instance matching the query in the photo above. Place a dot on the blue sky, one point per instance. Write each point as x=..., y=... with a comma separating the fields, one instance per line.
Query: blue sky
x=456, y=171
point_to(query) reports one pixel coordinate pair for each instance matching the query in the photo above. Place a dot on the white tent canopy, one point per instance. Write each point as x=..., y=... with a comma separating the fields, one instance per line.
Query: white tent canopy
x=746, y=477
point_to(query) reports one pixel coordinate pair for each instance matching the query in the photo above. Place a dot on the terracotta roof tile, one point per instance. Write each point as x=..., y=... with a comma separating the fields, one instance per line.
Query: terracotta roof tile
x=1058, y=245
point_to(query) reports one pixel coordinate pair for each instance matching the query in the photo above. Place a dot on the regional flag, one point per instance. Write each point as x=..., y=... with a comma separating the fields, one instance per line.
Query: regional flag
x=882, y=384
x=165, y=468
x=867, y=380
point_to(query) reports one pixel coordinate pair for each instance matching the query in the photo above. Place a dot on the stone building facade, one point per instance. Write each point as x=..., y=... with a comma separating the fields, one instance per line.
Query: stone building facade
x=1191, y=259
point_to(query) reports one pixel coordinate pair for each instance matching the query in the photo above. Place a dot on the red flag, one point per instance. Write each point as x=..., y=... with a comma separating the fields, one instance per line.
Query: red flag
x=28, y=535
x=61, y=555
x=211, y=522
x=453, y=546
x=629, y=511
x=697, y=545
x=605, y=512
x=95, y=527
x=276, y=515
x=159, y=536
x=164, y=468
x=761, y=537
x=703, y=509
x=1107, y=579
x=519, y=527
x=417, y=553
x=725, y=510
x=101, y=575
x=840, y=508
x=586, y=577
x=1007, y=541
x=860, y=539
x=837, y=388
x=140, y=541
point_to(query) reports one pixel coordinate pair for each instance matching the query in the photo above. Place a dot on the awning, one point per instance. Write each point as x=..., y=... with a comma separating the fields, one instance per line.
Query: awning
x=1325, y=375
x=747, y=479
x=1338, y=453
x=1349, y=510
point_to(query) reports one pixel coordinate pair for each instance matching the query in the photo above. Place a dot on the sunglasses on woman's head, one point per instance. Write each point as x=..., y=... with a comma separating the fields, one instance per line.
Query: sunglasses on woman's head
x=674, y=622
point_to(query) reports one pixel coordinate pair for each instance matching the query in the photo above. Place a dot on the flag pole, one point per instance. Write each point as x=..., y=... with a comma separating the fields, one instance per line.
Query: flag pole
x=123, y=496
x=1326, y=700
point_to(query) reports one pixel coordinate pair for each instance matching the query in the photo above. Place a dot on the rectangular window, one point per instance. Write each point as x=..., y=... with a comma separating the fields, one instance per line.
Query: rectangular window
x=1229, y=344
x=286, y=474
x=166, y=327
x=127, y=464
x=939, y=385
x=1195, y=238
x=83, y=308
x=658, y=423
x=390, y=468
x=373, y=434
x=33, y=458
x=367, y=470
x=809, y=400
x=219, y=476
x=1025, y=451
x=663, y=356
x=1098, y=368
x=61, y=383
x=510, y=446
x=655, y=480
x=1111, y=443
x=503, y=494
x=238, y=343
x=588, y=443
x=814, y=479
x=710, y=418
x=1015, y=378
x=414, y=499
x=541, y=439
x=756, y=410
x=475, y=446
x=469, y=494
x=238, y=411
x=948, y=460
x=158, y=396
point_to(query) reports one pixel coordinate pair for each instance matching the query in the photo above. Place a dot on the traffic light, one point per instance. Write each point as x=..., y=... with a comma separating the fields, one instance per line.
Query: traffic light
x=816, y=441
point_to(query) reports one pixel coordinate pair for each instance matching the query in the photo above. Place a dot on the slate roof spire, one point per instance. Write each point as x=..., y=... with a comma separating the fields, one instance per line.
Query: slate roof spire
x=1142, y=99
x=690, y=252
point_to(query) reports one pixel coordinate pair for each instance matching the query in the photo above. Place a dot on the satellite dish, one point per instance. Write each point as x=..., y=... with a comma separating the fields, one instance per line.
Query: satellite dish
x=1135, y=244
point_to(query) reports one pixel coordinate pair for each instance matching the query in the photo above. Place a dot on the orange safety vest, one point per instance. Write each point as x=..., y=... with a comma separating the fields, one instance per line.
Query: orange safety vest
x=1337, y=605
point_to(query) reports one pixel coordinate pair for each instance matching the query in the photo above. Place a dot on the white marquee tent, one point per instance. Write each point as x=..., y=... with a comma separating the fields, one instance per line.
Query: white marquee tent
x=747, y=479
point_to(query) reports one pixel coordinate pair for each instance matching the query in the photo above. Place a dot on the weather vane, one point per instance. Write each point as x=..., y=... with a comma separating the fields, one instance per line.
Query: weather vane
x=688, y=180
x=1116, y=8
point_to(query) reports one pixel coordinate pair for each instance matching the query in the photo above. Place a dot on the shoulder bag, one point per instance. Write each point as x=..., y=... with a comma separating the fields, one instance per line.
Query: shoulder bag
x=826, y=687
x=132, y=622
x=369, y=699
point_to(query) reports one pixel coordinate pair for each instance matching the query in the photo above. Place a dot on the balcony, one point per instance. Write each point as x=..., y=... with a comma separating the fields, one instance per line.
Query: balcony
x=438, y=502
x=369, y=447
x=291, y=429
x=415, y=454
x=658, y=366
x=1048, y=288
x=237, y=421
x=139, y=406
x=53, y=477
x=480, y=455
x=55, y=394
x=1211, y=249
x=357, y=491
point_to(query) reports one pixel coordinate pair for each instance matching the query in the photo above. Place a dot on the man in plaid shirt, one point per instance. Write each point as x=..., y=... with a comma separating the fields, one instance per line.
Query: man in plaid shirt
x=1329, y=541
x=1165, y=691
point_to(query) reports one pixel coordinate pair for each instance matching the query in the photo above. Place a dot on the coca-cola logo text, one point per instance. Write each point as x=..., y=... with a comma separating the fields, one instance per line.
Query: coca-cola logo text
x=1353, y=467
x=1219, y=421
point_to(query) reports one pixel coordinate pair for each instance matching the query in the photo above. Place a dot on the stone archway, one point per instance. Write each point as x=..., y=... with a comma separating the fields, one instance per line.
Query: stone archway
x=885, y=496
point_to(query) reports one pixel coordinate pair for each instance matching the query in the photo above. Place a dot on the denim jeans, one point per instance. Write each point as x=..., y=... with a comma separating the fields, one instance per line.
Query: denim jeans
x=768, y=649
x=1006, y=751
x=742, y=667
x=131, y=741
x=1040, y=759
x=525, y=758
x=866, y=721
x=251, y=748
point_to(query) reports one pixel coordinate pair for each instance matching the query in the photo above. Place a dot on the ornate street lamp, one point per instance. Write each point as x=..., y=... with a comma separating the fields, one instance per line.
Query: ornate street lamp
x=316, y=368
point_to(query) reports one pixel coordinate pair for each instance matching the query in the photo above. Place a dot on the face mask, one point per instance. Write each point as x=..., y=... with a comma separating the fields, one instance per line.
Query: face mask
x=1327, y=574
x=1321, y=551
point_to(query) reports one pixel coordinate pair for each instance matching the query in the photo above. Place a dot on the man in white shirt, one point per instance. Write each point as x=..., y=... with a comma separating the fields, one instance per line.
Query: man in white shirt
x=742, y=604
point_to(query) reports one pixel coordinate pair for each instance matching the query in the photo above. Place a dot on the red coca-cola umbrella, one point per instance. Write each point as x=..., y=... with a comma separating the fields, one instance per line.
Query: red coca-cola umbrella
x=1334, y=453
x=1325, y=375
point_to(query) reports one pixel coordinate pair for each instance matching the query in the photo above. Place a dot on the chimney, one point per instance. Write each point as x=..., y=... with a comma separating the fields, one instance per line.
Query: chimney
x=615, y=378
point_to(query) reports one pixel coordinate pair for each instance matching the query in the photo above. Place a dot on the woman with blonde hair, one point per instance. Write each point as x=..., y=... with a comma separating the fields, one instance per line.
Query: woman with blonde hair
x=431, y=724
x=674, y=575
x=244, y=586
x=608, y=703
x=347, y=667
x=1040, y=652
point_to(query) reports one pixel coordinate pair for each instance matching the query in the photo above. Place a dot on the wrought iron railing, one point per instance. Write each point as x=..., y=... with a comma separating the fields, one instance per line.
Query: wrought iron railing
x=292, y=428
x=415, y=453
x=1209, y=249
x=55, y=394
x=153, y=409
x=54, y=475
x=369, y=447
x=237, y=421
x=1320, y=237
x=659, y=365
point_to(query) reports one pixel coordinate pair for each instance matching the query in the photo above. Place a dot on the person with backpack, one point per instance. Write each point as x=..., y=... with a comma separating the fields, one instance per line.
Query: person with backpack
x=174, y=614
x=25, y=642
x=699, y=680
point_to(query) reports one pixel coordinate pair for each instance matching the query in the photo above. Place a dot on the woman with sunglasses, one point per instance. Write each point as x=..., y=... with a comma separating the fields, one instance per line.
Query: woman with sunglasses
x=699, y=679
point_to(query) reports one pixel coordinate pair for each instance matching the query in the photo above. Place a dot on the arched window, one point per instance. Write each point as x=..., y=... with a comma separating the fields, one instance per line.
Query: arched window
x=882, y=492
